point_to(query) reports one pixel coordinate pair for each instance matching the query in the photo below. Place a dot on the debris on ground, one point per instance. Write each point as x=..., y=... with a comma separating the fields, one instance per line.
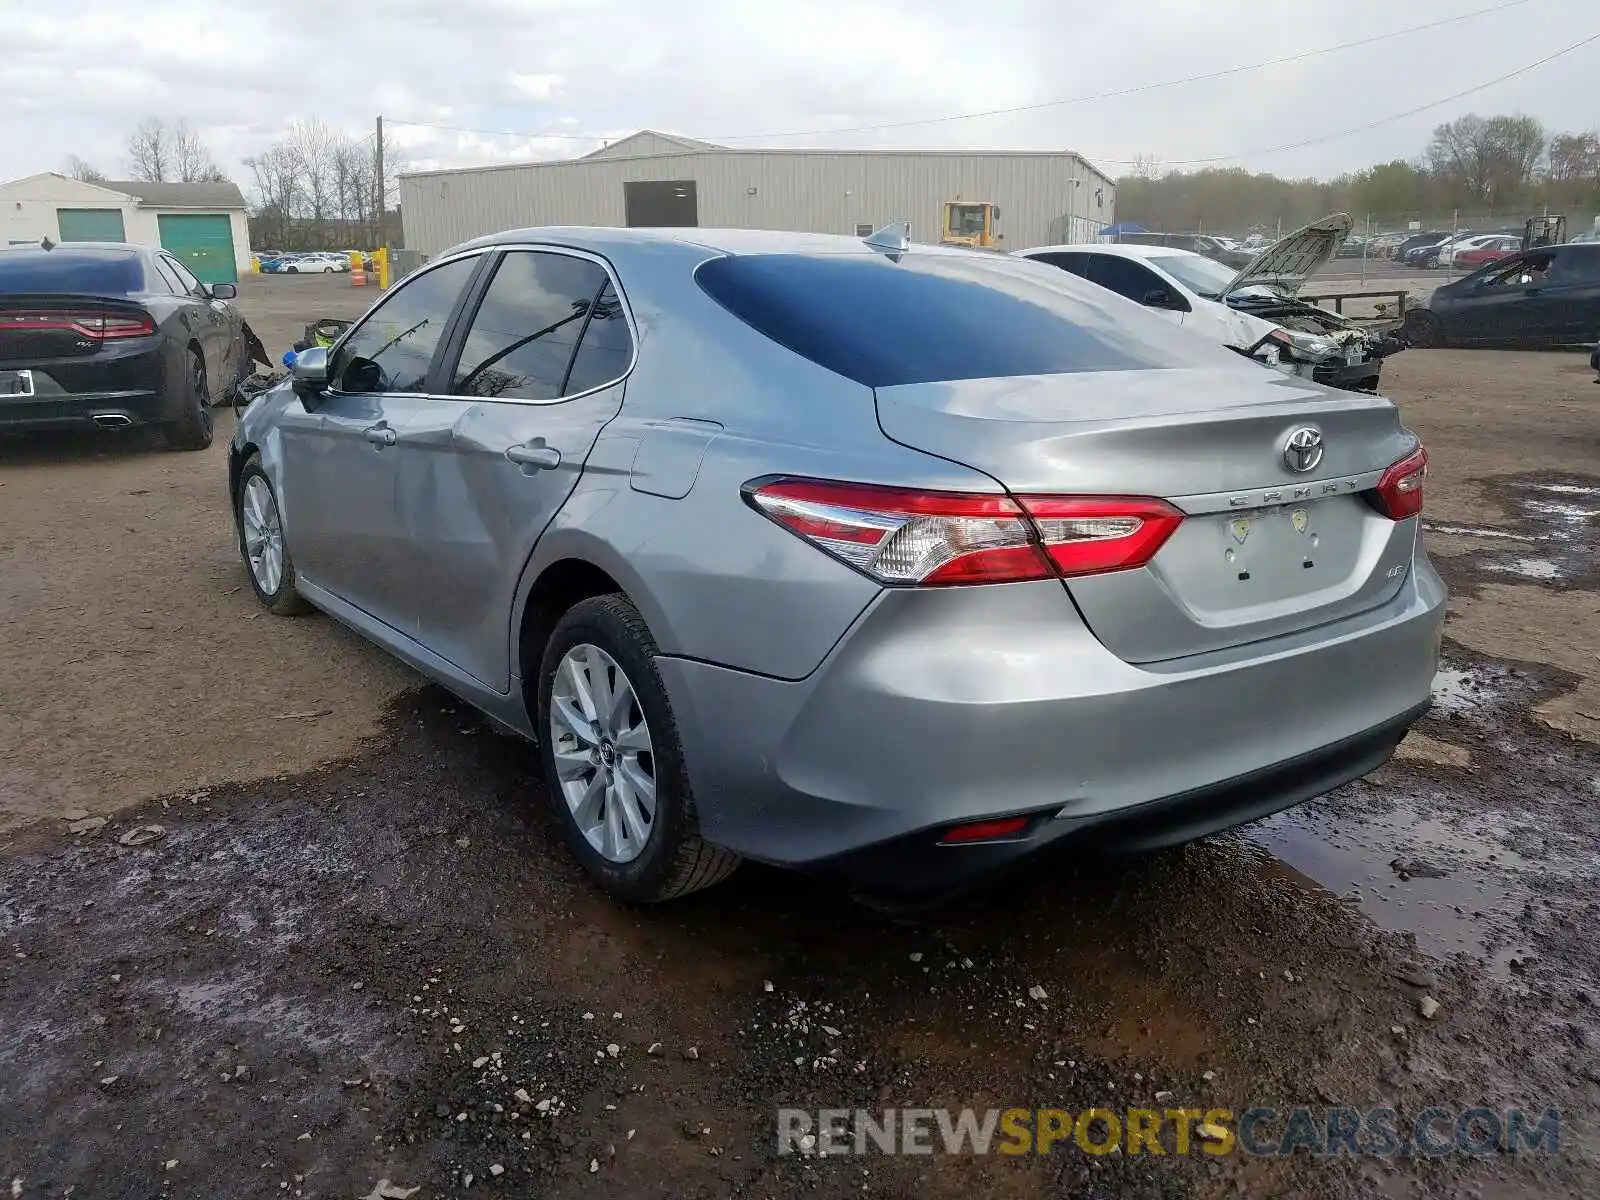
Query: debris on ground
x=141, y=835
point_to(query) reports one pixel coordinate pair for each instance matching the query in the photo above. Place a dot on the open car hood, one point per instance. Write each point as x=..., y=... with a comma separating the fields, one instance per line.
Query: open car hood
x=1296, y=258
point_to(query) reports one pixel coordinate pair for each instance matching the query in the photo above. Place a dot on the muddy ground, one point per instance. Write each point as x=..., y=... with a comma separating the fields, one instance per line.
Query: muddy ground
x=356, y=952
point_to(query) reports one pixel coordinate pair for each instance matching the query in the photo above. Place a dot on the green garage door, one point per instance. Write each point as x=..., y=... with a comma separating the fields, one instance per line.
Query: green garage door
x=204, y=244
x=90, y=224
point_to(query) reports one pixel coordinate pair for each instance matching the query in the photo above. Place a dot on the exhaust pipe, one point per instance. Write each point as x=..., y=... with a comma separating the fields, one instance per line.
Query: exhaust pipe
x=112, y=420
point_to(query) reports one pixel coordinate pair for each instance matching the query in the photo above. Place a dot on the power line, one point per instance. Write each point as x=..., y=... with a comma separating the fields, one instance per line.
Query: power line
x=1400, y=116
x=1129, y=91
x=996, y=112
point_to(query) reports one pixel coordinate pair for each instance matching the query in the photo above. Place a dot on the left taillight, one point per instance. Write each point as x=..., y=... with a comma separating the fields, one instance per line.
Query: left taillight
x=100, y=324
x=1399, y=491
x=906, y=537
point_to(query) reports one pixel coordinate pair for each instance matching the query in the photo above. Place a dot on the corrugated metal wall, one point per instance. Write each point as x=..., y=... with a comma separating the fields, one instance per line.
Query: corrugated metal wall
x=1043, y=198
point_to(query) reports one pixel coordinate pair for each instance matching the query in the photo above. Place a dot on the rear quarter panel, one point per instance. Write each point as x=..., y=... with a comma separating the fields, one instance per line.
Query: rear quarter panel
x=714, y=579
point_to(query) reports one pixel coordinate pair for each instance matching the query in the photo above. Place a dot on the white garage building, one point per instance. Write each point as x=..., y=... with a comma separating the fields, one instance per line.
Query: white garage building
x=660, y=179
x=204, y=225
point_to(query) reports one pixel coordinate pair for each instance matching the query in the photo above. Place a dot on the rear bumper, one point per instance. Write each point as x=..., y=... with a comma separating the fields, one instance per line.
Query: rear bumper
x=944, y=707
x=918, y=865
x=120, y=390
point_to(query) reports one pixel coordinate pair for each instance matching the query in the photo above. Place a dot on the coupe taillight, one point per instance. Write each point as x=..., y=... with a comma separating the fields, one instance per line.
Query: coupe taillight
x=908, y=537
x=98, y=324
x=1400, y=487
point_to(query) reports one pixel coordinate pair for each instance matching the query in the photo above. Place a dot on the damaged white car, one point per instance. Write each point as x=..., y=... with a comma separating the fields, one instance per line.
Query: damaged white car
x=1254, y=311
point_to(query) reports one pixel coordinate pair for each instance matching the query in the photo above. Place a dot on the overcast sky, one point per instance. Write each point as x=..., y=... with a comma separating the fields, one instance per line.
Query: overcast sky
x=77, y=77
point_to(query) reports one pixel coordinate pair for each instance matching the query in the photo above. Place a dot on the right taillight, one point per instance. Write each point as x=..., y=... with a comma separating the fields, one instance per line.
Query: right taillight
x=909, y=537
x=1400, y=487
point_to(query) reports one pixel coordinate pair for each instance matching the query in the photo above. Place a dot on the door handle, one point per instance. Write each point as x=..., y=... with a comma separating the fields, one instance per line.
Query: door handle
x=535, y=454
x=381, y=435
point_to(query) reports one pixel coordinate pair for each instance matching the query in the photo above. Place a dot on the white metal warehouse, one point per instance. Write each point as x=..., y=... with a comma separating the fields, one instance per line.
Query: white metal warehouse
x=659, y=179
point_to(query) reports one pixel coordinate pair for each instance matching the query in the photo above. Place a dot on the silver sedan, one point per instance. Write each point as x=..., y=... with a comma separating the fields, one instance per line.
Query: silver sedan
x=892, y=563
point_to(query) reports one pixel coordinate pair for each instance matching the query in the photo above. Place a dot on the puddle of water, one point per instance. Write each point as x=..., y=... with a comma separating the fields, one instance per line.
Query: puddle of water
x=1573, y=514
x=1471, y=531
x=1529, y=568
x=1567, y=489
x=1456, y=899
x=1463, y=690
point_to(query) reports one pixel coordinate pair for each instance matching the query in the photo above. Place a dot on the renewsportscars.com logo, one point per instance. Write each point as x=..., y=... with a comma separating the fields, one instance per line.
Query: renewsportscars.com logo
x=1262, y=1131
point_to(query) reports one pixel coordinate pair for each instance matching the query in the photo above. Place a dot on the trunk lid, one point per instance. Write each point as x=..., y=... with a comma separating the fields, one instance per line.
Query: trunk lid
x=1264, y=550
x=1300, y=255
x=37, y=328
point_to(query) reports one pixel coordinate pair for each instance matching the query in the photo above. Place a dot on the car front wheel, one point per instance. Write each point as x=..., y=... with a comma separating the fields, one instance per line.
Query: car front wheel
x=261, y=543
x=612, y=760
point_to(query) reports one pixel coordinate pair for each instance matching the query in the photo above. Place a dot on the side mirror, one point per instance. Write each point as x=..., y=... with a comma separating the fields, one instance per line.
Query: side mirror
x=223, y=291
x=310, y=371
x=1159, y=298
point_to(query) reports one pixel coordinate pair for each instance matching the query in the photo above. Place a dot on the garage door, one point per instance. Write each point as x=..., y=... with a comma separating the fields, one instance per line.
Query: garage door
x=90, y=224
x=203, y=243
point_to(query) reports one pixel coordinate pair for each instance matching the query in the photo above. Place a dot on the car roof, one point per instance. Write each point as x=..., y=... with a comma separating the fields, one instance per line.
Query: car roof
x=1117, y=249
x=601, y=239
x=100, y=250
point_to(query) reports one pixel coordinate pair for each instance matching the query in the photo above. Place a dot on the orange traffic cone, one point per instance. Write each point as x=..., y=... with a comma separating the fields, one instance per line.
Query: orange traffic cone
x=358, y=277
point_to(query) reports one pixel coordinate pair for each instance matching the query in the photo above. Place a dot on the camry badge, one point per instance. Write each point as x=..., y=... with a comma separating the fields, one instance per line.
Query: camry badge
x=1241, y=530
x=1303, y=452
x=1299, y=520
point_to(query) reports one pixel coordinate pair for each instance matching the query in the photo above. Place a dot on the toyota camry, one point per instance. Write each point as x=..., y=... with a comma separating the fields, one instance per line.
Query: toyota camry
x=897, y=564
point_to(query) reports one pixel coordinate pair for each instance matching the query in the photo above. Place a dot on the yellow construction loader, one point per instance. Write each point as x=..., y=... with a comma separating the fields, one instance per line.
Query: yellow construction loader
x=971, y=224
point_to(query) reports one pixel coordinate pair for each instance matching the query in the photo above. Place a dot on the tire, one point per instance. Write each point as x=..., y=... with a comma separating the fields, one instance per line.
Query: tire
x=282, y=599
x=1423, y=330
x=327, y=270
x=194, y=426
x=292, y=270
x=671, y=859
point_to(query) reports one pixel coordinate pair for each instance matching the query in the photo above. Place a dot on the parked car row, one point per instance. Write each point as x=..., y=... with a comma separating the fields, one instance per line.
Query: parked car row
x=314, y=262
x=759, y=583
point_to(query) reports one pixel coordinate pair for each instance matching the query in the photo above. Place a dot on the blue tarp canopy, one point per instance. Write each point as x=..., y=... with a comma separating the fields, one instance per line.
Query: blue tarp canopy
x=1123, y=227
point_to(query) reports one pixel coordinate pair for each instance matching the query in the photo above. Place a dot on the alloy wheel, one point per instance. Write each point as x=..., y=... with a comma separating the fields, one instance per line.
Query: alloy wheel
x=197, y=384
x=603, y=754
x=263, y=535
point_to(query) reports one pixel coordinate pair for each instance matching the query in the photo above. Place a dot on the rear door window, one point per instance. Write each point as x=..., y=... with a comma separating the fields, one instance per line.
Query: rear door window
x=522, y=338
x=932, y=317
x=1073, y=261
x=186, y=279
x=393, y=348
x=169, y=277
x=1124, y=277
x=607, y=347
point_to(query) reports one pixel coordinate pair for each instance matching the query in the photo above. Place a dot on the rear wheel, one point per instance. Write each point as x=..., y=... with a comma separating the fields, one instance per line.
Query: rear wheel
x=327, y=270
x=613, y=763
x=194, y=425
x=1423, y=330
x=293, y=270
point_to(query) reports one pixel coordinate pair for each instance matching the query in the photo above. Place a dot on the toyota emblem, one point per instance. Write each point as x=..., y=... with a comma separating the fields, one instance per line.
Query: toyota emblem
x=1303, y=452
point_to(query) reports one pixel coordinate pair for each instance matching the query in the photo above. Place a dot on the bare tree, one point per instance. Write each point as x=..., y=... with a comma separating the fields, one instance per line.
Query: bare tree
x=160, y=153
x=1487, y=158
x=277, y=183
x=314, y=146
x=83, y=170
x=191, y=160
x=150, y=151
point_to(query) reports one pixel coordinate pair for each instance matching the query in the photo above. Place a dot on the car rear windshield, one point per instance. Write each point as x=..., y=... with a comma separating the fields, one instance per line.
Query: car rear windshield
x=934, y=317
x=98, y=273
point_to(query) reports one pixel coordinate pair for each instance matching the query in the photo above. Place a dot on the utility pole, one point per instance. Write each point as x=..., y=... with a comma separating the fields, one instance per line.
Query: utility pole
x=381, y=190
